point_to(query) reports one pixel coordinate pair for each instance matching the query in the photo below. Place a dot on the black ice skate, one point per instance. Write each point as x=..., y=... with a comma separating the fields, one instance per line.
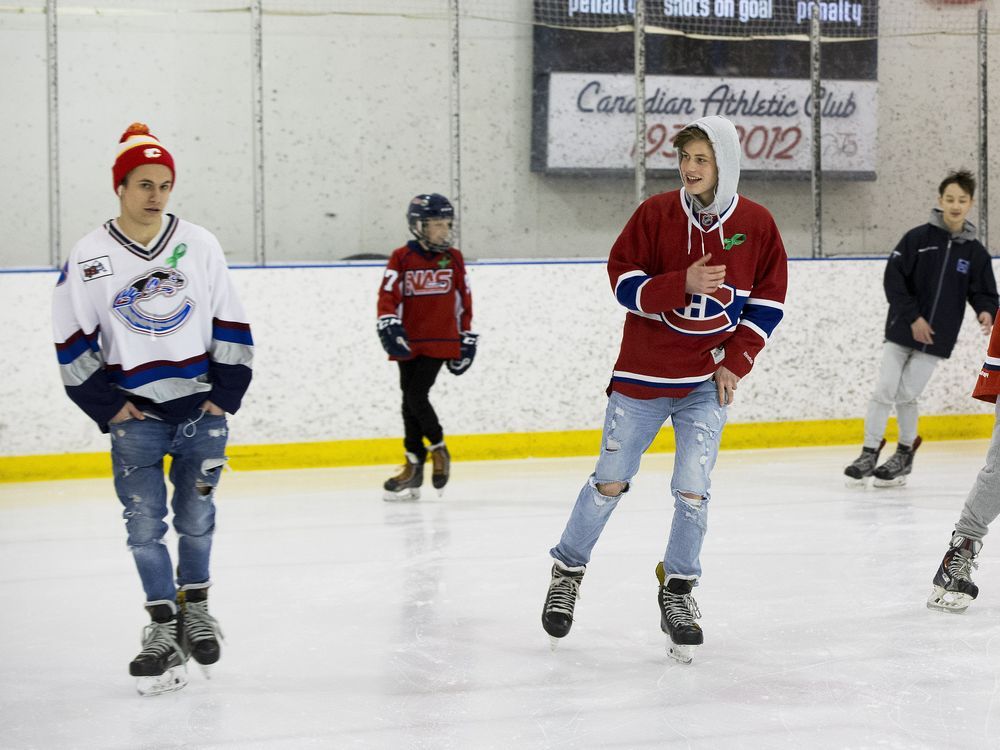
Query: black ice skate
x=678, y=611
x=954, y=590
x=897, y=467
x=161, y=665
x=441, y=466
x=564, y=589
x=863, y=466
x=201, y=632
x=406, y=484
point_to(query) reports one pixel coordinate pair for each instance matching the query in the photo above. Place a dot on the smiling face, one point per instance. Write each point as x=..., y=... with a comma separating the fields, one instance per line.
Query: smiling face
x=955, y=204
x=698, y=169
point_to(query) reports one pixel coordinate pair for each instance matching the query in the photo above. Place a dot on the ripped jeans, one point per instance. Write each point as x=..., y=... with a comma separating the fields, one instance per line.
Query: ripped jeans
x=198, y=449
x=630, y=425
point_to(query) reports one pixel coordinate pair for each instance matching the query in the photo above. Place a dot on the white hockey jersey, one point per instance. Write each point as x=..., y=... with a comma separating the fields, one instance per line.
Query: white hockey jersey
x=160, y=326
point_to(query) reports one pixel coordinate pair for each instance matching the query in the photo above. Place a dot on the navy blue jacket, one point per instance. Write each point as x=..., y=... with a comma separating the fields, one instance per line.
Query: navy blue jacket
x=933, y=273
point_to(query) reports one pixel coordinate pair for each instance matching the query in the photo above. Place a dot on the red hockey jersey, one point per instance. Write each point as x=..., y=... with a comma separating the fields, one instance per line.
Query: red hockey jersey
x=988, y=384
x=430, y=293
x=673, y=341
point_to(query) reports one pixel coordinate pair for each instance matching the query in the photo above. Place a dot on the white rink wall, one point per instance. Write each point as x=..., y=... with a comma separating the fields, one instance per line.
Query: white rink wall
x=549, y=337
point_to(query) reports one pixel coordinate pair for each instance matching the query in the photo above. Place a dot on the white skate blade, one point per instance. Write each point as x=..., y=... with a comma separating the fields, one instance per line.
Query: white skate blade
x=170, y=681
x=680, y=652
x=554, y=642
x=857, y=484
x=954, y=602
x=206, y=670
x=897, y=482
x=402, y=496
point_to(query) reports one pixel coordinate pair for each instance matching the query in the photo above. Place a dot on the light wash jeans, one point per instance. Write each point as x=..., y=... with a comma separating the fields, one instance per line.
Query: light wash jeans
x=629, y=428
x=982, y=505
x=198, y=449
x=902, y=378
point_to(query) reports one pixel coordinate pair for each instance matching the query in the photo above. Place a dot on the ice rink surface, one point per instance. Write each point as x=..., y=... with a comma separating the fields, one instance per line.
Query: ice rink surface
x=355, y=623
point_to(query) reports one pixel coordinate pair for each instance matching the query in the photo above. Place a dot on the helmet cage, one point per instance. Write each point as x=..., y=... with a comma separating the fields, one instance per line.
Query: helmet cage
x=425, y=207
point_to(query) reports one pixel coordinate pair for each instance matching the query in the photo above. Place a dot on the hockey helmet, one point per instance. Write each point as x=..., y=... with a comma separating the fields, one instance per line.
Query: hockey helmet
x=429, y=206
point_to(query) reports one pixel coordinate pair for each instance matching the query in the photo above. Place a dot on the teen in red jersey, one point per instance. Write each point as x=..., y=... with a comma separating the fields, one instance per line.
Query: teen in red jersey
x=424, y=322
x=702, y=273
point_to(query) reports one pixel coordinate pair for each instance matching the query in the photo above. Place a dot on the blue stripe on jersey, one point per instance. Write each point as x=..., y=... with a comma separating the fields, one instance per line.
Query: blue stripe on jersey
x=991, y=368
x=135, y=379
x=628, y=289
x=764, y=317
x=234, y=333
x=661, y=386
x=76, y=345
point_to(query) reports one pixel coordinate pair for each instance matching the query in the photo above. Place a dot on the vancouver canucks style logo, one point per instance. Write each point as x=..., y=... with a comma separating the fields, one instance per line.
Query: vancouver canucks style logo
x=730, y=242
x=143, y=291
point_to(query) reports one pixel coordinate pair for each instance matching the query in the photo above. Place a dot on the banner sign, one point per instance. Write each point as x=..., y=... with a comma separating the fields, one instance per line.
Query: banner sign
x=748, y=60
x=591, y=121
x=839, y=18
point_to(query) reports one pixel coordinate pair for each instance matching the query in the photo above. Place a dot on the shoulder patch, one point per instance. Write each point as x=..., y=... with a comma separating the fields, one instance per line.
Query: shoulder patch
x=95, y=268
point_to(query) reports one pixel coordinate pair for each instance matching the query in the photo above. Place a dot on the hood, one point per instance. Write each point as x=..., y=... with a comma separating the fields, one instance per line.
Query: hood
x=726, y=144
x=968, y=231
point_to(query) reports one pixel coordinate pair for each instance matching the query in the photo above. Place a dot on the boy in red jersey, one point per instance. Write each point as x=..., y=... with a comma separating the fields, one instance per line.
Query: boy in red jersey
x=425, y=321
x=953, y=589
x=702, y=272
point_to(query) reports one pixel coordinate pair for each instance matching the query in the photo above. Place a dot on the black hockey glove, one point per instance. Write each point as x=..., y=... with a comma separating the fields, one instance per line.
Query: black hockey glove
x=466, y=355
x=393, y=337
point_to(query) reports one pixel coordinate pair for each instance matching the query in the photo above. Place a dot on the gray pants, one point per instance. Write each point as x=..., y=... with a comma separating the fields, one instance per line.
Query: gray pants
x=983, y=503
x=901, y=379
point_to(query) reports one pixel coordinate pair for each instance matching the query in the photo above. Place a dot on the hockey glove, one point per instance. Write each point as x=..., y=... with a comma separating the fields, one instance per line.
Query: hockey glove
x=393, y=337
x=466, y=355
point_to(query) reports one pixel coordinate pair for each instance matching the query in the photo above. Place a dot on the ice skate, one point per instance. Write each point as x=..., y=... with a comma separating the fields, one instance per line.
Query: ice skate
x=860, y=471
x=954, y=590
x=678, y=612
x=406, y=484
x=897, y=467
x=201, y=631
x=564, y=590
x=161, y=665
x=441, y=466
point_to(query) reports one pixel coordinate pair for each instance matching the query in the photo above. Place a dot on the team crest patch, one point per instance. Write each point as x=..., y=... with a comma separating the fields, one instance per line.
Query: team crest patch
x=706, y=219
x=96, y=268
x=963, y=265
x=146, y=304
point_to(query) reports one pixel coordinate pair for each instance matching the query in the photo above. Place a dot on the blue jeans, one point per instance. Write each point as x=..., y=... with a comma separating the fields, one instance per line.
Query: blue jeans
x=629, y=428
x=198, y=449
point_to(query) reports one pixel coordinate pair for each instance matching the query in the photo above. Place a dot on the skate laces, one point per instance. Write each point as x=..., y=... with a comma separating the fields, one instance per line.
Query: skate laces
x=961, y=567
x=680, y=609
x=157, y=639
x=563, y=593
x=198, y=623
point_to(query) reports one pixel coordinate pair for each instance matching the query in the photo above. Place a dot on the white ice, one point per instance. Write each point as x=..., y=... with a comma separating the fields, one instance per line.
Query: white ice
x=355, y=623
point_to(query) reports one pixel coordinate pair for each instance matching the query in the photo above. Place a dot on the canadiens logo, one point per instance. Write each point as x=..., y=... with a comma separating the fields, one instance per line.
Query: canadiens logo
x=133, y=303
x=706, y=313
x=426, y=281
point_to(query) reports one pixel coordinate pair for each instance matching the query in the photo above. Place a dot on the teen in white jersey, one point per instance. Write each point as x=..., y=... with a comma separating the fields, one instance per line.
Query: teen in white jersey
x=154, y=346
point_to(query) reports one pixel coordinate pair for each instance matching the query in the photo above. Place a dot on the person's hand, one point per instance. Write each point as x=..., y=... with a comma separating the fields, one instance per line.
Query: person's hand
x=725, y=383
x=215, y=411
x=703, y=278
x=129, y=411
x=986, y=322
x=922, y=331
